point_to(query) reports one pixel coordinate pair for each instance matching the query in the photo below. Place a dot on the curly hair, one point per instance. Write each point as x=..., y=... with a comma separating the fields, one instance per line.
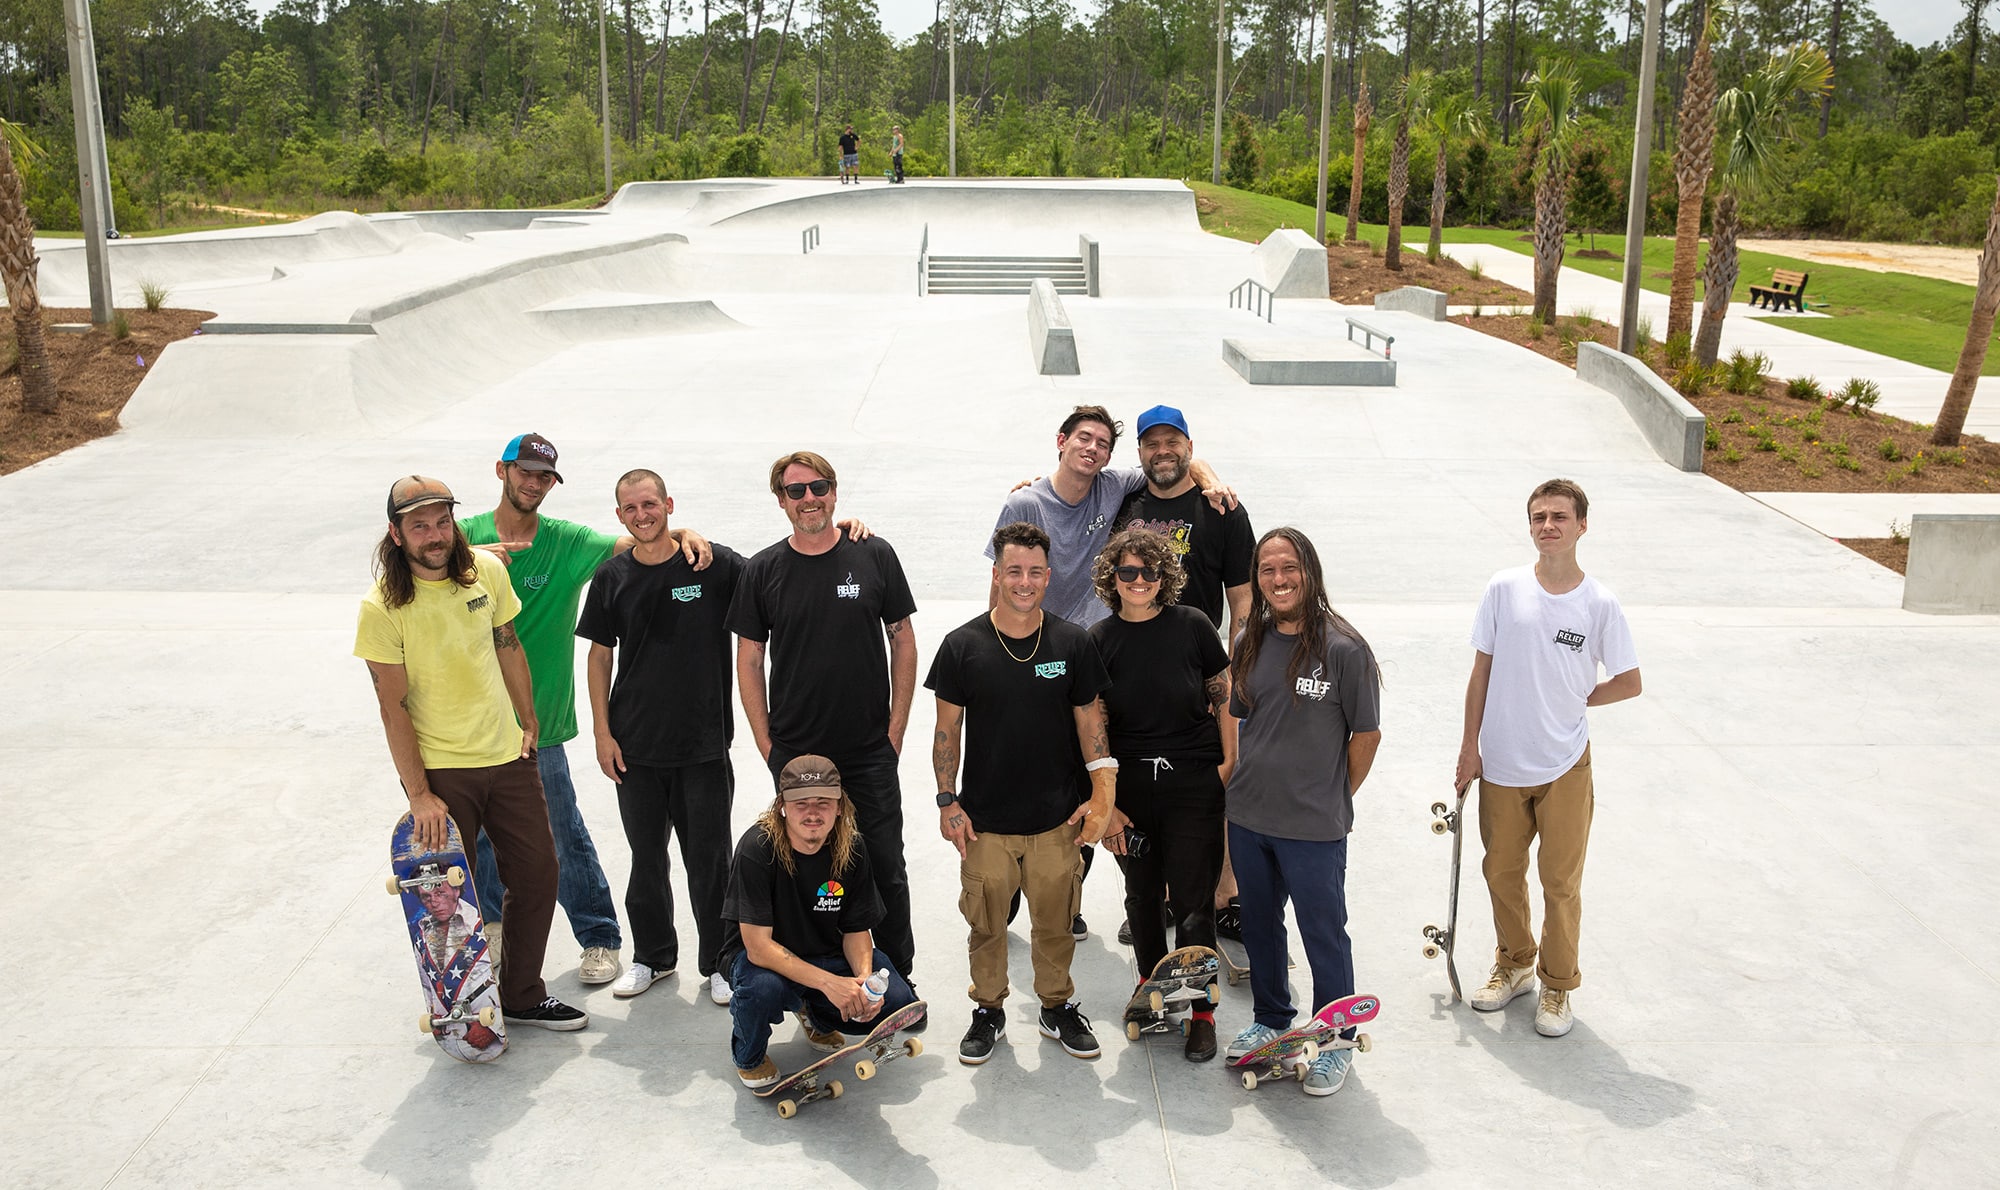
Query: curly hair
x=1153, y=550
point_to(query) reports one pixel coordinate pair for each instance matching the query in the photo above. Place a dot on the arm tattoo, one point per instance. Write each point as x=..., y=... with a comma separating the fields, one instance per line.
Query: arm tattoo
x=895, y=630
x=944, y=758
x=375, y=677
x=504, y=637
x=1218, y=693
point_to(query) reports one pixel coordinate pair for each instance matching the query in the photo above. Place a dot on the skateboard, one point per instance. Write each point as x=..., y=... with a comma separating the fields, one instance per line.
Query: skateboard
x=1181, y=977
x=1448, y=820
x=1236, y=960
x=447, y=938
x=817, y=1082
x=1288, y=1054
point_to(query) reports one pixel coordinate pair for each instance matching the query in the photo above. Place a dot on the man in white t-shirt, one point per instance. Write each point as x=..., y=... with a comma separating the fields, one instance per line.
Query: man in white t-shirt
x=1542, y=633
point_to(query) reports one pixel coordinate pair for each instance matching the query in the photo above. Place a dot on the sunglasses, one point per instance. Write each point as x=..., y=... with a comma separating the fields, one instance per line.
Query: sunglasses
x=1132, y=574
x=818, y=487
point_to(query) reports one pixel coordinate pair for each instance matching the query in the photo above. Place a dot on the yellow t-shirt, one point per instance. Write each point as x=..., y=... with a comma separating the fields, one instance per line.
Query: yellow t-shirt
x=444, y=640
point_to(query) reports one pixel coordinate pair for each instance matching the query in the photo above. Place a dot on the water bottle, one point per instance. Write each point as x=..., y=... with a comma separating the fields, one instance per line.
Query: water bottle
x=876, y=986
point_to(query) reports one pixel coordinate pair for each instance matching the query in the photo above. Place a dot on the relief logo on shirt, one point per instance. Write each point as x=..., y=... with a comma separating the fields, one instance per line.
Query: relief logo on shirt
x=1313, y=687
x=535, y=582
x=476, y=602
x=1095, y=525
x=1052, y=669
x=829, y=897
x=849, y=589
x=1573, y=639
x=687, y=594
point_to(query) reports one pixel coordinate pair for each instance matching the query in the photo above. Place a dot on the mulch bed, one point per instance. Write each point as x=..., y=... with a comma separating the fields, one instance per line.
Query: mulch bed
x=96, y=373
x=1355, y=274
x=1893, y=552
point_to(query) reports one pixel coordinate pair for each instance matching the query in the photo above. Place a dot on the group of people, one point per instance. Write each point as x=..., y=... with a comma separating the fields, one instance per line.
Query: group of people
x=850, y=155
x=1099, y=700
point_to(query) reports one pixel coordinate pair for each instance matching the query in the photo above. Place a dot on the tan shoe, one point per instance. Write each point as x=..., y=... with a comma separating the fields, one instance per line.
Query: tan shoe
x=763, y=1074
x=825, y=1043
x=1503, y=987
x=600, y=965
x=1552, y=1013
x=492, y=932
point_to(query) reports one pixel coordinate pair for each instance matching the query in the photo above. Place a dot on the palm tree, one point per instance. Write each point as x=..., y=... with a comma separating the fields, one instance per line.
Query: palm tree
x=17, y=271
x=1694, y=160
x=1756, y=120
x=1448, y=116
x=1978, y=334
x=1548, y=112
x=1409, y=99
x=1363, y=109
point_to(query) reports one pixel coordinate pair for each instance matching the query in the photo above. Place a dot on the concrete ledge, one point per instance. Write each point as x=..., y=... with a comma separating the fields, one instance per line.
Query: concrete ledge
x=1673, y=427
x=1413, y=299
x=1086, y=247
x=610, y=314
x=1954, y=565
x=1294, y=264
x=1050, y=336
x=1306, y=362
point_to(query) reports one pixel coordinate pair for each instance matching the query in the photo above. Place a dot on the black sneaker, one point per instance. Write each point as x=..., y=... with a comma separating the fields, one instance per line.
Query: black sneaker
x=549, y=1014
x=1077, y=929
x=1125, y=932
x=989, y=1025
x=1067, y=1024
x=1229, y=921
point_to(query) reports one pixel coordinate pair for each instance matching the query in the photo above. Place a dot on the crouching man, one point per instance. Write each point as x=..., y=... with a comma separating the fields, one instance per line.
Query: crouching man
x=798, y=922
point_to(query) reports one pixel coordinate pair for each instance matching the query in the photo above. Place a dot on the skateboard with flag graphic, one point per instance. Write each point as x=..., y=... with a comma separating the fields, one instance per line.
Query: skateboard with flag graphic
x=441, y=911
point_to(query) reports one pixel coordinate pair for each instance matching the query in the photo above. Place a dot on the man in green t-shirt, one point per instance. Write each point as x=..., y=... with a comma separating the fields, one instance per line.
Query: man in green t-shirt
x=550, y=560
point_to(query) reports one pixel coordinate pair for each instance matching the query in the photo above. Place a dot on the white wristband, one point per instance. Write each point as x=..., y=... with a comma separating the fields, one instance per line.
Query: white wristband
x=1102, y=762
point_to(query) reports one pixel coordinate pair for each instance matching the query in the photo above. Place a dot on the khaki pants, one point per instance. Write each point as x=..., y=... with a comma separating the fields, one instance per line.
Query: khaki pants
x=1509, y=820
x=1048, y=869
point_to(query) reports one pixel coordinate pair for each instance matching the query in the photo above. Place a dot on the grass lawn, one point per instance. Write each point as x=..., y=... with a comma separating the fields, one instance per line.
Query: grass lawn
x=178, y=229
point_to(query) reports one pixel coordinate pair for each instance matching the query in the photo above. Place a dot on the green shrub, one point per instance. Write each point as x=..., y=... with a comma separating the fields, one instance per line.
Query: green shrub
x=1860, y=394
x=1743, y=374
x=154, y=293
x=1804, y=388
x=1889, y=450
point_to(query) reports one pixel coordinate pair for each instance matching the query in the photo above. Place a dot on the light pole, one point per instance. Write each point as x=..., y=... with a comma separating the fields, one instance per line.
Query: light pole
x=1221, y=40
x=951, y=89
x=93, y=179
x=604, y=94
x=1325, y=119
x=1635, y=196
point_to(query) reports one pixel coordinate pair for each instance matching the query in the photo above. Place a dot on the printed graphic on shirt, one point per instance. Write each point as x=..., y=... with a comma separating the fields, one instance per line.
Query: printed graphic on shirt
x=687, y=594
x=1573, y=639
x=1178, y=533
x=1314, y=687
x=535, y=582
x=829, y=897
x=1095, y=524
x=476, y=602
x=849, y=589
x=1052, y=669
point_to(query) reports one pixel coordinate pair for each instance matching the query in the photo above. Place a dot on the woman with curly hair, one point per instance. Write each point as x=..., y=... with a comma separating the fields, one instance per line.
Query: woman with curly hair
x=1175, y=745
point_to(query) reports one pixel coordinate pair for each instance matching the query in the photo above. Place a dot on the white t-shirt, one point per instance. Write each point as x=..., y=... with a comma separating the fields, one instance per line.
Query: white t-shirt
x=1546, y=650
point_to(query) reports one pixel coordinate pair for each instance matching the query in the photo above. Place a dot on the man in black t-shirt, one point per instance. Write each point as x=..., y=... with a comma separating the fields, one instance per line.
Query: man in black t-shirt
x=1021, y=688
x=822, y=604
x=800, y=907
x=1215, y=548
x=850, y=156
x=663, y=726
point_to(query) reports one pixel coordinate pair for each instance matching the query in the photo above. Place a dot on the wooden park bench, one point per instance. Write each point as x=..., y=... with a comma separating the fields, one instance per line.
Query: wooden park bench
x=1787, y=291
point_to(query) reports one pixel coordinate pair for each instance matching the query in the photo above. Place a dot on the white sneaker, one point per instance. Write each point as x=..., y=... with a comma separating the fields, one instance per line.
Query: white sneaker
x=600, y=965
x=637, y=978
x=1503, y=987
x=718, y=988
x=1552, y=1014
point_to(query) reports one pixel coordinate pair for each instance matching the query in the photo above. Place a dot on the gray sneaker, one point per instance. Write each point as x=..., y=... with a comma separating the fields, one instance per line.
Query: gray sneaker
x=1328, y=1071
x=1250, y=1040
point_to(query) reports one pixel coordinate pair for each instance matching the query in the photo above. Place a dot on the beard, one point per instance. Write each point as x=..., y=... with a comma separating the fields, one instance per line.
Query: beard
x=1168, y=471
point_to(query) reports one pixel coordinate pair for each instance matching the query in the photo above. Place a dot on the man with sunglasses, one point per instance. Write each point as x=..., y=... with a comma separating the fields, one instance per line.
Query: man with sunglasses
x=821, y=603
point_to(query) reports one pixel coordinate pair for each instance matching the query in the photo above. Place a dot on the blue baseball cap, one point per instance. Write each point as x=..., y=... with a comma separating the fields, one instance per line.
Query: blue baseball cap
x=1162, y=415
x=532, y=452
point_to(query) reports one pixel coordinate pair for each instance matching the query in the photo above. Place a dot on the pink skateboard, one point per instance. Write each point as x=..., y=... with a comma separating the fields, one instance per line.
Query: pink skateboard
x=1289, y=1052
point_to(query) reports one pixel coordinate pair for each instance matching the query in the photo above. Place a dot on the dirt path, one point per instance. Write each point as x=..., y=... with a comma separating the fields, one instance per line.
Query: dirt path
x=250, y=211
x=1923, y=260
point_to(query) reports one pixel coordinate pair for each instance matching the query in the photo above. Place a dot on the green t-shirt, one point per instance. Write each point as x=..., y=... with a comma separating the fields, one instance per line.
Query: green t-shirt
x=549, y=578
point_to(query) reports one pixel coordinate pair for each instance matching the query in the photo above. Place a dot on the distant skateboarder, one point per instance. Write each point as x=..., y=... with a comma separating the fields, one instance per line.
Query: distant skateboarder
x=896, y=150
x=850, y=156
x=1541, y=635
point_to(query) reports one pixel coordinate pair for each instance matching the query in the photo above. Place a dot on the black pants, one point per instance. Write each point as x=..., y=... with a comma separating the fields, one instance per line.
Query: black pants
x=1180, y=813
x=653, y=802
x=898, y=159
x=868, y=777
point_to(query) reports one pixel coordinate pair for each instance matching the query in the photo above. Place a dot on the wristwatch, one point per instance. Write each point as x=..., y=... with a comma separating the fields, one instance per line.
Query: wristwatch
x=946, y=798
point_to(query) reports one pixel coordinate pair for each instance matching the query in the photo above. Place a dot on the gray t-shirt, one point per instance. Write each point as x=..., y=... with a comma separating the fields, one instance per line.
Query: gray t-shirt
x=1291, y=749
x=1076, y=532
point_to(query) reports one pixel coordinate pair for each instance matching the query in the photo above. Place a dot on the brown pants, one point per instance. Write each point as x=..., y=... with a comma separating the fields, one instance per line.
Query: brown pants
x=506, y=802
x=1509, y=820
x=1048, y=870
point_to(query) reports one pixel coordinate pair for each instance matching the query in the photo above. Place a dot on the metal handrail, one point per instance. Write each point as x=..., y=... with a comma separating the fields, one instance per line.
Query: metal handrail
x=1368, y=336
x=923, y=260
x=809, y=239
x=1254, y=297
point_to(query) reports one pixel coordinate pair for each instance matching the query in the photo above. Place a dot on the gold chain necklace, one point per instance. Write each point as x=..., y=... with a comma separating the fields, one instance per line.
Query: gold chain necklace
x=1040, y=623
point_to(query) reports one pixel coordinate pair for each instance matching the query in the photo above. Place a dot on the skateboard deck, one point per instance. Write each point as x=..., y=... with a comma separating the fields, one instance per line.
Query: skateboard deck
x=1181, y=977
x=1236, y=960
x=1289, y=1052
x=1448, y=819
x=817, y=1082
x=447, y=938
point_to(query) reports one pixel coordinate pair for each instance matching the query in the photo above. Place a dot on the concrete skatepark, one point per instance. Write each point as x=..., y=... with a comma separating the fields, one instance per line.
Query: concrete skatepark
x=1788, y=958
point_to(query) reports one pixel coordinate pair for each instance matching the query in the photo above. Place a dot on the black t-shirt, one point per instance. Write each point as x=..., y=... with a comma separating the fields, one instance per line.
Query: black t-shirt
x=849, y=143
x=670, y=699
x=1216, y=548
x=1158, y=701
x=822, y=615
x=809, y=909
x=1023, y=766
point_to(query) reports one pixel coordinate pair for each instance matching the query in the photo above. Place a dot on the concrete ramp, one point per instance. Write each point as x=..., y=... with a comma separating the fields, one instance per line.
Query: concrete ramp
x=606, y=314
x=251, y=252
x=1020, y=205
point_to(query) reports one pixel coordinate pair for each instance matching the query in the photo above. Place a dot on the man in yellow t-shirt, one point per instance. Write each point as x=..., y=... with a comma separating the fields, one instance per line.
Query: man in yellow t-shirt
x=457, y=703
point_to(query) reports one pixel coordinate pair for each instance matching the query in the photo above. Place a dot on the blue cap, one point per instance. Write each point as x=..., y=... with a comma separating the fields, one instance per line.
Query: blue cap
x=1162, y=415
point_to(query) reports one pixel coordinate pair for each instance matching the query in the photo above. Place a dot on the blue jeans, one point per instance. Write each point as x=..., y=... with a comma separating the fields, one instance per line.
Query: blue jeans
x=761, y=997
x=581, y=888
x=1314, y=877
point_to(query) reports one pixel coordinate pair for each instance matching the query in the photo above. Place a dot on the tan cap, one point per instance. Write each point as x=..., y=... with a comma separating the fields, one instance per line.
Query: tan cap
x=415, y=491
x=808, y=776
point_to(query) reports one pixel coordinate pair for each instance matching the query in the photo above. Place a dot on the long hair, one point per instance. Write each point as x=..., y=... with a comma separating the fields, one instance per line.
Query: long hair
x=399, y=583
x=1153, y=550
x=1319, y=617
x=772, y=823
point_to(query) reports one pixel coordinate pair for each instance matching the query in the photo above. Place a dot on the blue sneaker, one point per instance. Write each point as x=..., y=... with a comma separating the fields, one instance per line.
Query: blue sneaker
x=1328, y=1071
x=1249, y=1040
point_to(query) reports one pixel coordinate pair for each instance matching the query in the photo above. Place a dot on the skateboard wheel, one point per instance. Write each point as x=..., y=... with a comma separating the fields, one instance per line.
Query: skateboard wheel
x=787, y=1109
x=1440, y=827
x=1249, y=1080
x=1132, y=1030
x=395, y=886
x=1299, y=1072
x=426, y=1024
x=864, y=1070
x=1362, y=1043
x=1157, y=1001
x=454, y=876
x=1184, y=1028
x=1308, y=1052
x=487, y=1016
x=1438, y=809
x=912, y=1047
x=834, y=1088
x=1214, y=994
x=1431, y=950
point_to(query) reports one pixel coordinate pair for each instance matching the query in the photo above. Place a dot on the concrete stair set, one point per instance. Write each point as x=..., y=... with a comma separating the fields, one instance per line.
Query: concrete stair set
x=1003, y=274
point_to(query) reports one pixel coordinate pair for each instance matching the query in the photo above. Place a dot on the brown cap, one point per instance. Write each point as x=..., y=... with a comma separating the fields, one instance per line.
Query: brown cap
x=415, y=491
x=531, y=452
x=808, y=776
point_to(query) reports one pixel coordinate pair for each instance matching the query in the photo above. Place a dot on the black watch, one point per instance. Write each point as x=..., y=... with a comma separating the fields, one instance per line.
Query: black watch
x=946, y=798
